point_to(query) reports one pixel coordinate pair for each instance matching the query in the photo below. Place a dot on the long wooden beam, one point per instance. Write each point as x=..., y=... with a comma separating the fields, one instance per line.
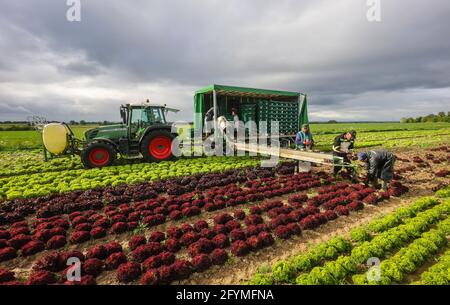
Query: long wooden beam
x=299, y=155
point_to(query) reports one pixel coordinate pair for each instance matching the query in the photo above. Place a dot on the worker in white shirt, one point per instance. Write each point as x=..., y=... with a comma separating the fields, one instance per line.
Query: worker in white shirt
x=234, y=113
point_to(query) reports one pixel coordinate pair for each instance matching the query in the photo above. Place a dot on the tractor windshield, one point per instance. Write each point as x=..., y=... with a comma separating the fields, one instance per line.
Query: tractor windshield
x=138, y=117
x=156, y=116
x=141, y=118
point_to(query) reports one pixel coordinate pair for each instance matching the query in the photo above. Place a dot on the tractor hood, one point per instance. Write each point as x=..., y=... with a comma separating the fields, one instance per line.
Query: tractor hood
x=106, y=132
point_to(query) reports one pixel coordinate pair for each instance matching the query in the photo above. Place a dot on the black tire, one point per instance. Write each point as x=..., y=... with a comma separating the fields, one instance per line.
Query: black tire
x=98, y=154
x=156, y=146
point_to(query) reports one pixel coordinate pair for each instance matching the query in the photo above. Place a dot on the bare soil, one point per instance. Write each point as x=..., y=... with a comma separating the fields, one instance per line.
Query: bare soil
x=421, y=181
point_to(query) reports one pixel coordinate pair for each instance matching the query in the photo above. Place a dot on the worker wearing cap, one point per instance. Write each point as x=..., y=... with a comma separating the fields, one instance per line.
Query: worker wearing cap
x=234, y=113
x=238, y=125
x=304, y=139
x=379, y=165
x=342, y=147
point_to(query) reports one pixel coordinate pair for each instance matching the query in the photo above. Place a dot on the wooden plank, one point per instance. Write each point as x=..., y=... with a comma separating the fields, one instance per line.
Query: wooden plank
x=286, y=153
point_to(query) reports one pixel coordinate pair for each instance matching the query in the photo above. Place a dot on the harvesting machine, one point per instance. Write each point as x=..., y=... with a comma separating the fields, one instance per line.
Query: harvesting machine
x=144, y=131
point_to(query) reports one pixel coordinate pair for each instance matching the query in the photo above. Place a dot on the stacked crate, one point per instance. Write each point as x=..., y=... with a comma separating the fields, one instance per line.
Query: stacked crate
x=286, y=114
x=247, y=112
x=263, y=113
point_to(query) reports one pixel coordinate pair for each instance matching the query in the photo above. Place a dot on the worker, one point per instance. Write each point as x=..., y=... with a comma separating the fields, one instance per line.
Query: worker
x=238, y=125
x=235, y=118
x=379, y=165
x=342, y=146
x=209, y=119
x=304, y=139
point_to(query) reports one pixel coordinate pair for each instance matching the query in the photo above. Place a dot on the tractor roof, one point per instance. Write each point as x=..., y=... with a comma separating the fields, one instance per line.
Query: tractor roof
x=247, y=92
x=147, y=104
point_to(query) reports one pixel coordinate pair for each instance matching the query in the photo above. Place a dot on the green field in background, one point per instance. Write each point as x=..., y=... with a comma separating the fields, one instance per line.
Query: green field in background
x=390, y=135
x=31, y=139
x=320, y=128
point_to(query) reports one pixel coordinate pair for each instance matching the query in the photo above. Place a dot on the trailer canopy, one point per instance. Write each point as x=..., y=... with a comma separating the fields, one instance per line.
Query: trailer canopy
x=208, y=97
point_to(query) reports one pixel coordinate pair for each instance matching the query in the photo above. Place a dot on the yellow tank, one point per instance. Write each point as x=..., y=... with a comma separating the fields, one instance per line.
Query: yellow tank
x=54, y=136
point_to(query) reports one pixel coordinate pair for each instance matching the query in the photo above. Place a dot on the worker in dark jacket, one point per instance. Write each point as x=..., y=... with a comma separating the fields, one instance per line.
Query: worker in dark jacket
x=379, y=165
x=304, y=139
x=209, y=121
x=342, y=147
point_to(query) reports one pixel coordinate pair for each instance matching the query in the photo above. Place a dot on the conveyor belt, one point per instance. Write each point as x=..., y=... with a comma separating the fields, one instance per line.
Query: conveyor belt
x=287, y=153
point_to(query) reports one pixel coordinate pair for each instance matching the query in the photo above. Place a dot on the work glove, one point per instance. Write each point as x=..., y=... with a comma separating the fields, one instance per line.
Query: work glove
x=352, y=156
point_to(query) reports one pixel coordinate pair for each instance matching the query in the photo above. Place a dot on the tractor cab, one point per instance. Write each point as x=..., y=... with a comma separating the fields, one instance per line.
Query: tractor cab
x=138, y=118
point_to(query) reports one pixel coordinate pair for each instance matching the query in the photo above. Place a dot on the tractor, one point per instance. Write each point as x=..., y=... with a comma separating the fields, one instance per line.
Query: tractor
x=144, y=132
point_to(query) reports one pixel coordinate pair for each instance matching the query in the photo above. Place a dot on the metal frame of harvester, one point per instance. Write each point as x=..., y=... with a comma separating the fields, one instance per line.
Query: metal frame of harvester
x=219, y=96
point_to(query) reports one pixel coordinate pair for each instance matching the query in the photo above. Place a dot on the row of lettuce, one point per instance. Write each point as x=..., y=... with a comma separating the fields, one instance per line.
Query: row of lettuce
x=388, y=250
x=15, y=163
x=41, y=184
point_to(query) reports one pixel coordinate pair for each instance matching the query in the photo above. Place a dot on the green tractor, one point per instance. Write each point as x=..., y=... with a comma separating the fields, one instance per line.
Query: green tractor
x=144, y=132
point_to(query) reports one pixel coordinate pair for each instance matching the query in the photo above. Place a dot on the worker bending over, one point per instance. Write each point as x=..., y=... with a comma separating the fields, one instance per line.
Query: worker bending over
x=304, y=139
x=379, y=164
x=343, y=144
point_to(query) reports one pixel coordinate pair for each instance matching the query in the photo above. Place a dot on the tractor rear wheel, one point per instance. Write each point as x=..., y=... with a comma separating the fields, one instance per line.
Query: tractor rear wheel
x=98, y=155
x=157, y=146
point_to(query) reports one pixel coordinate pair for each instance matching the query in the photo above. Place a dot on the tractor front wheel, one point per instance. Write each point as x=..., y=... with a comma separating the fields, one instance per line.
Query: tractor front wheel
x=98, y=155
x=157, y=146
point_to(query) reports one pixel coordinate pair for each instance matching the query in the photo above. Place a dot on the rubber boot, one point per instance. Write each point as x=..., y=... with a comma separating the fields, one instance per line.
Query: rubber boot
x=384, y=185
x=374, y=183
x=335, y=172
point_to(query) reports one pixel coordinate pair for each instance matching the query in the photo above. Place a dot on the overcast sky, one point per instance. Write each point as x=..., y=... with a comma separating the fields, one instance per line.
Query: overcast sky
x=124, y=51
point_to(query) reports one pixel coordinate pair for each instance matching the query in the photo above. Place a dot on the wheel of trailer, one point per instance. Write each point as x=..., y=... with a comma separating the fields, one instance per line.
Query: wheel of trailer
x=98, y=155
x=157, y=146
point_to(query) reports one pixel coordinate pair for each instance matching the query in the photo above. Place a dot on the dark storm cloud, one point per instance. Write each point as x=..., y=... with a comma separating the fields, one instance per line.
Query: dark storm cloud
x=167, y=49
x=20, y=108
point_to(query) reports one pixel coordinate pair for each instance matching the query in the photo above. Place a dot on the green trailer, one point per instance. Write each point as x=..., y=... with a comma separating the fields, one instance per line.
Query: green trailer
x=287, y=108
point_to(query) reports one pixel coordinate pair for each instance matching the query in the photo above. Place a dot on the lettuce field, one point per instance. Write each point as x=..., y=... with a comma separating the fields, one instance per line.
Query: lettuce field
x=226, y=220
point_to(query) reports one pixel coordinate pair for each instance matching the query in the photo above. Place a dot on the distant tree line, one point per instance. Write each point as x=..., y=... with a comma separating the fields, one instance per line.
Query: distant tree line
x=14, y=127
x=440, y=117
x=324, y=122
x=83, y=122
x=23, y=125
